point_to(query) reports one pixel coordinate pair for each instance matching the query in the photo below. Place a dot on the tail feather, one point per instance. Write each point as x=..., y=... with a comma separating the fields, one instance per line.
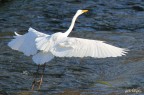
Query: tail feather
x=42, y=57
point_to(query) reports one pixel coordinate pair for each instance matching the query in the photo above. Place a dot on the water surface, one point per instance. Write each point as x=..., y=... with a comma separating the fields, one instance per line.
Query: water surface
x=118, y=22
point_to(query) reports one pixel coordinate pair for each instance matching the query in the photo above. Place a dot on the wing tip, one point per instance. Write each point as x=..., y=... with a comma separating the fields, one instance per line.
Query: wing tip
x=16, y=34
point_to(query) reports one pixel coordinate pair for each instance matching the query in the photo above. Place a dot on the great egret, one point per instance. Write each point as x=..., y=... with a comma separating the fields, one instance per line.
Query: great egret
x=44, y=47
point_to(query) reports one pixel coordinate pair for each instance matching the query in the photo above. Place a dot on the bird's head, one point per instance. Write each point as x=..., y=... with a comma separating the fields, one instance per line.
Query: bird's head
x=79, y=12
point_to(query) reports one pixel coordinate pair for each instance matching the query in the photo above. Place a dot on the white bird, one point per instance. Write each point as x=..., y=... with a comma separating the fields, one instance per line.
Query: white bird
x=44, y=47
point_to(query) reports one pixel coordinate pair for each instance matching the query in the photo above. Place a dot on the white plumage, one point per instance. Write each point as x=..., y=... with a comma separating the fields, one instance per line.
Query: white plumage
x=26, y=43
x=78, y=47
x=42, y=57
x=44, y=47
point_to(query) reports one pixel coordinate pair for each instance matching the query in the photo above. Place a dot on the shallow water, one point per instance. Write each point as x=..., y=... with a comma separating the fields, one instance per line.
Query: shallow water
x=118, y=22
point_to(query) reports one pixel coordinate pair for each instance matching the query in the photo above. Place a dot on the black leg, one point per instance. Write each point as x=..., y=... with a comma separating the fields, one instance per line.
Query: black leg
x=41, y=79
x=38, y=73
x=35, y=76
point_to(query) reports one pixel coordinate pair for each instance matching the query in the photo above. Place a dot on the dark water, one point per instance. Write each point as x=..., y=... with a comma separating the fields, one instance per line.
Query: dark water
x=118, y=22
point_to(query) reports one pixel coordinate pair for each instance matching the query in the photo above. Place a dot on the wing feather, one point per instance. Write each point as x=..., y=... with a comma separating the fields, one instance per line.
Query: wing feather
x=43, y=43
x=78, y=47
x=16, y=35
x=26, y=43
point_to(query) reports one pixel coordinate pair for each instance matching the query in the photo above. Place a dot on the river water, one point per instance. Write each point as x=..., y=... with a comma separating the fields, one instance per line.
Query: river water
x=118, y=22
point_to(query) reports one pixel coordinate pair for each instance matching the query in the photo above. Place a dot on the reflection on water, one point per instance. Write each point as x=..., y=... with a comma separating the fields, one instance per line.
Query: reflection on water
x=116, y=24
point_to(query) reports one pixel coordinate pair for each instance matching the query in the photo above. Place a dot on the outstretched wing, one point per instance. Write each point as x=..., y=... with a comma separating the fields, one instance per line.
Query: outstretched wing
x=77, y=47
x=26, y=43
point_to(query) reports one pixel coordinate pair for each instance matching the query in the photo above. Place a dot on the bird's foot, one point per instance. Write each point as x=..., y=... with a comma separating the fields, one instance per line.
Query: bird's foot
x=36, y=84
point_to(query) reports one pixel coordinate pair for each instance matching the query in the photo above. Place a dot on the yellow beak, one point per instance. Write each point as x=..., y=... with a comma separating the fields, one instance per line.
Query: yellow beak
x=84, y=11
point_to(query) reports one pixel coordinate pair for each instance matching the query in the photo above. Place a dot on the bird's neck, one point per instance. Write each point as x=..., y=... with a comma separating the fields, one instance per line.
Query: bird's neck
x=72, y=25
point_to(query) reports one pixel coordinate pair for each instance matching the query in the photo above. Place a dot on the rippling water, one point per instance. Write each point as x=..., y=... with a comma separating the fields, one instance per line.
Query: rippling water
x=118, y=22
